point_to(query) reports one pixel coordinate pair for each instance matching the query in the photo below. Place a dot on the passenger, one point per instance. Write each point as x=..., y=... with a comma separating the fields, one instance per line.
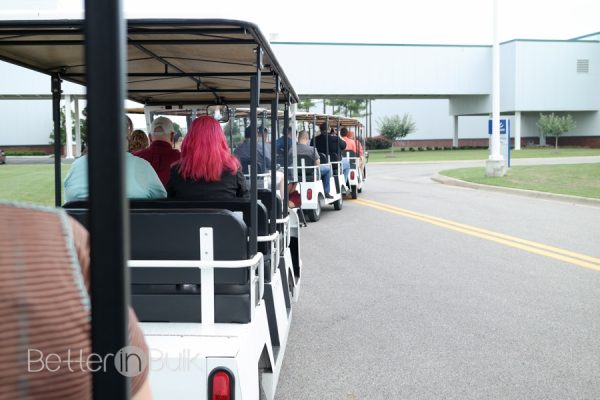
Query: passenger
x=336, y=145
x=207, y=170
x=129, y=126
x=353, y=145
x=177, y=139
x=280, y=144
x=141, y=182
x=45, y=313
x=161, y=154
x=263, y=159
x=303, y=149
x=243, y=153
x=138, y=140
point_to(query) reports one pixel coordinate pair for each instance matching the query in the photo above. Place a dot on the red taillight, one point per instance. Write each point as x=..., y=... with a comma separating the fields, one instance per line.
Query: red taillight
x=221, y=389
x=352, y=175
x=309, y=194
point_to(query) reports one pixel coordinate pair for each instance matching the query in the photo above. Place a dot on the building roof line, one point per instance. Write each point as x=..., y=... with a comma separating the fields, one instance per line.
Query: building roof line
x=380, y=44
x=584, y=36
x=550, y=41
x=434, y=45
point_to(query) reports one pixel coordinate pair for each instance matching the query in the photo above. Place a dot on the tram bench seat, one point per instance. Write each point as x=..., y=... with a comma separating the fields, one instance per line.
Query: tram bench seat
x=235, y=205
x=352, y=158
x=264, y=195
x=172, y=294
x=310, y=171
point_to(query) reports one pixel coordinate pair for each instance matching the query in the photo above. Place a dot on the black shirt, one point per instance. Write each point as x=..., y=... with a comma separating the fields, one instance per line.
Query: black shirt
x=335, y=145
x=228, y=187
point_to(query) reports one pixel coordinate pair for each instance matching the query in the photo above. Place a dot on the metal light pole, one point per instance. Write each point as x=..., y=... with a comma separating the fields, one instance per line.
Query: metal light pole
x=494, y=166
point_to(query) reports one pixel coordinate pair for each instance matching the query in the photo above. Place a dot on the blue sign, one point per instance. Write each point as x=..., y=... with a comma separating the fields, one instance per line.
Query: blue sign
x=504, y=138
x=504, y=126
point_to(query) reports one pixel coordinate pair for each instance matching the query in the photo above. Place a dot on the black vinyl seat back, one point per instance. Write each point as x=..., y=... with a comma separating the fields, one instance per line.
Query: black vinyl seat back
x=172, y=294
x=353, y=156
x=335, y=168
x=242, y=206
x=235, y=205
x=312, y=174
x=264, y=195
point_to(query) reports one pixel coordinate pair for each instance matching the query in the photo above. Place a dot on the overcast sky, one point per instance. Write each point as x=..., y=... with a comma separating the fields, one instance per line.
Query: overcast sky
x=367, y=21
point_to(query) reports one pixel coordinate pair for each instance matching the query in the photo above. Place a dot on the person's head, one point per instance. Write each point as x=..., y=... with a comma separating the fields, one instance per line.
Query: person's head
x=177, y=140
x=262, y=131
x=323, y=127
x=247, y=133
x=350, y=134
x=204, y=152
x=344, y=132
x=128, y=125
x=303, y=137
x=137, y=140
x=162, y=130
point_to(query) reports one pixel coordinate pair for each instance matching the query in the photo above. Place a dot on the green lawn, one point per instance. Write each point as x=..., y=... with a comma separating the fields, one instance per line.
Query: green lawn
x=29, y=183
x=454, y=155
x=576, y=179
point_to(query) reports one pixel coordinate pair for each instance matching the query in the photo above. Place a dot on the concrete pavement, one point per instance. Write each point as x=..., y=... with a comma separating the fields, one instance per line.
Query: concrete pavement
x=398, y=307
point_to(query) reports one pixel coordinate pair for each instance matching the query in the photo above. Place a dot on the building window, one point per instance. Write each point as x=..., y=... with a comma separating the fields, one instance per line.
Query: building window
x=583, y=66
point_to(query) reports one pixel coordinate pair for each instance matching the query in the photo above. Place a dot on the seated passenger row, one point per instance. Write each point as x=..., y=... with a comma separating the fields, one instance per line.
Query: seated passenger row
x=204, y=170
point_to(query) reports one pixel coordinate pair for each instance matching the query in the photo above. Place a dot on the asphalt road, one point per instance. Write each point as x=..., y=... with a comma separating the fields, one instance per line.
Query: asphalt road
x=396, y=305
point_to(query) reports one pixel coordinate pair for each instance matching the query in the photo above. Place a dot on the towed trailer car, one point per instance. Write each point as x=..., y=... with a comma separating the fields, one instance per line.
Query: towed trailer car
x=205, y=294
x=311, y=185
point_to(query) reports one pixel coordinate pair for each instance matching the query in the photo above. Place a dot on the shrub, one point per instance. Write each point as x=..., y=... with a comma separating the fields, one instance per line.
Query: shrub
x=378, y=142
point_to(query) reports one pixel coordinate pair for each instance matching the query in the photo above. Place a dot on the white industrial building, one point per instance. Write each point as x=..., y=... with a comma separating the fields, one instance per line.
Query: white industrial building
x=447, y=88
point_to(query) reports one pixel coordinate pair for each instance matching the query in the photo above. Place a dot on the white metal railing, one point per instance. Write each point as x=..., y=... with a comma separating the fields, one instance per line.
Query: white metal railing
x=207, y=266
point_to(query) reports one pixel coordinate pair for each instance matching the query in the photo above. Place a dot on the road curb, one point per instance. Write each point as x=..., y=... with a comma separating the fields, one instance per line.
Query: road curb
x=446, y=180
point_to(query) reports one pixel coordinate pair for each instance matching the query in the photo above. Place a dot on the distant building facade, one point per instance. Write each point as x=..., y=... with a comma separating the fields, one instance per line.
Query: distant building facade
x=447, y=88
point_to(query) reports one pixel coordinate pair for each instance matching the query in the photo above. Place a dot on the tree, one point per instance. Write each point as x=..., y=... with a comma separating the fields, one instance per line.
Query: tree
x=555, y=125
x=306, y=104
x=82, y=127
x=348, y=107
x=396, y=127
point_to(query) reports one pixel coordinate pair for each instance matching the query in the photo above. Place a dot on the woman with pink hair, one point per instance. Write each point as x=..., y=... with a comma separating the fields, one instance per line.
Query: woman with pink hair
x=207, y=170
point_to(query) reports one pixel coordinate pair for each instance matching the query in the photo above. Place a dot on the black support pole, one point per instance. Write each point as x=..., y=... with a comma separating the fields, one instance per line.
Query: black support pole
x=286, y=125
x=109, y=227
x=56, y=93
x=327, y=137
x=274, y=134
x=253, y=163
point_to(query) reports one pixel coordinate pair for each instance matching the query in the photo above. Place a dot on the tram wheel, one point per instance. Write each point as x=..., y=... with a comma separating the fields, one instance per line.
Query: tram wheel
x=314, y=215
x=339, y=203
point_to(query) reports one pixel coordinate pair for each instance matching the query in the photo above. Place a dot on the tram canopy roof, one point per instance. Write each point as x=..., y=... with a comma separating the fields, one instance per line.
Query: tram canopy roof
x=175, y=61
x=333, y=119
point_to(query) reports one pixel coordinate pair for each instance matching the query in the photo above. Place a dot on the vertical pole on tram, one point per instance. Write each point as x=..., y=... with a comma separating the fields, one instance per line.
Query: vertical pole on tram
x=274, y=135
x=254, y=102
x=327, y=137
x=286, y=125
x=109, y=224
x=56, y=93
x=231, y=118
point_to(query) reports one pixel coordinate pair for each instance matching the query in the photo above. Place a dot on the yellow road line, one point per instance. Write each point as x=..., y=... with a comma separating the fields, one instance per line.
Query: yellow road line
x=571, y=257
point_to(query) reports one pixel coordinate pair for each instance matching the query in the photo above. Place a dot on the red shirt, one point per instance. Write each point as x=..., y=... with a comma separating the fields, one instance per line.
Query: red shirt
x=161, y=155
x=351, y=145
